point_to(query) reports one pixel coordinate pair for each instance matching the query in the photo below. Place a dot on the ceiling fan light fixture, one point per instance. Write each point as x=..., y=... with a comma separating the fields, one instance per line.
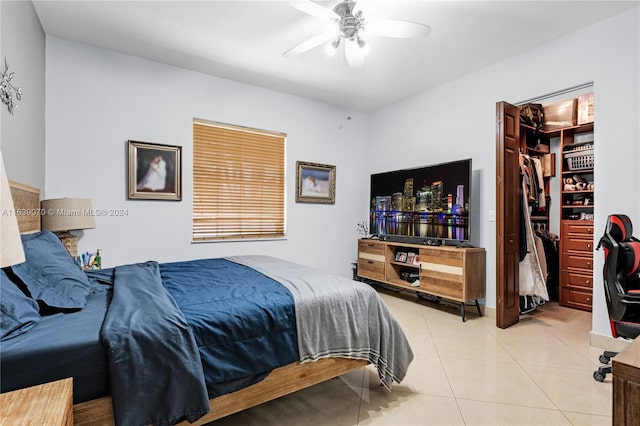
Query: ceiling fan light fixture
x=349, y=24
x=362, y=44
x=333, y=47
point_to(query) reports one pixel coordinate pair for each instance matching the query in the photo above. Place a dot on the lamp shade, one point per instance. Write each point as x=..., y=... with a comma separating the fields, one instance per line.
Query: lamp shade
x=11, y=251
x=67, y=214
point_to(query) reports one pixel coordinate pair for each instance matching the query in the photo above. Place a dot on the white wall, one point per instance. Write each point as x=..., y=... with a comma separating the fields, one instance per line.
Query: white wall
x=457, y=120
x=22, y=134
x=98, y=99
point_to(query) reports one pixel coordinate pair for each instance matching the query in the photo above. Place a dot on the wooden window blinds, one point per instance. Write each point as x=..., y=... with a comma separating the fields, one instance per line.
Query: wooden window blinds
x=238, y=182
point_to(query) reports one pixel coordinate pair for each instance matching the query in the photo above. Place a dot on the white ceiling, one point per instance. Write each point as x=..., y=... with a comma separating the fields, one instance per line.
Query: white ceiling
x=244, y=40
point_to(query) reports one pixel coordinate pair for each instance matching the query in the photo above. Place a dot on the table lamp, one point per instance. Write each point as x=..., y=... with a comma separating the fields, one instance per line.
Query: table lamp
x=11, y=251
x=62, y=215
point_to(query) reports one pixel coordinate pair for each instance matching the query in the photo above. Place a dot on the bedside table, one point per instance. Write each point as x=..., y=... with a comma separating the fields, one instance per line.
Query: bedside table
x=47, y=404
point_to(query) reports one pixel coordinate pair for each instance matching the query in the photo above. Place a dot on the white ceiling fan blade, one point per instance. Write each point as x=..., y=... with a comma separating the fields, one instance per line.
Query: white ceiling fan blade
x=354, y=53
x=398, y=29
x=310, y=43
x=314, y=9
x=357, y=6
x=367, y=6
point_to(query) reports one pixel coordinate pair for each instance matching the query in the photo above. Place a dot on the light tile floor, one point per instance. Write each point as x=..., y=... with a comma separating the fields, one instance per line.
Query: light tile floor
x=538, y=372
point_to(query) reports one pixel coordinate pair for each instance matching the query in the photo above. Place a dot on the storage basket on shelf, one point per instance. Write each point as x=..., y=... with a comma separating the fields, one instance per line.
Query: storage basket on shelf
x=580, y=159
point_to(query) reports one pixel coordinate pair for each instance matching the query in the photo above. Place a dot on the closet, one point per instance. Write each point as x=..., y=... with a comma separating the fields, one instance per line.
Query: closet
x=538, y=268
x=559, y=198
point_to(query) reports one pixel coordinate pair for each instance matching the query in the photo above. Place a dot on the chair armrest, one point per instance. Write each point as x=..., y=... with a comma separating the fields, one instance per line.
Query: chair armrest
x=630, y=298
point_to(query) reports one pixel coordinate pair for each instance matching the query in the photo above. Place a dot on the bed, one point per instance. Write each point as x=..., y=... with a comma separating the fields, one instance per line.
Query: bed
x=322, y=326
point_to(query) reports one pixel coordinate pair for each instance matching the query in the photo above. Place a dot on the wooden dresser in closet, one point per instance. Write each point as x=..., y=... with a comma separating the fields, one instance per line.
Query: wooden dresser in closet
x=576, y=248
x=577, y=204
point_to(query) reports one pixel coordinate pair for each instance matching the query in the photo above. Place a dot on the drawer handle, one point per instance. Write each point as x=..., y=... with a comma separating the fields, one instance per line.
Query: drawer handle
x=589, y=231
x=588, y=246
x=588, y=263
x=370, y=261
x=589, y=299
x=588, y=281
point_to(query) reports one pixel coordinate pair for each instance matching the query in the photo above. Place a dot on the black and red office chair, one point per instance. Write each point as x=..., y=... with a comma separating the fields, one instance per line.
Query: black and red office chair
x=621, y=283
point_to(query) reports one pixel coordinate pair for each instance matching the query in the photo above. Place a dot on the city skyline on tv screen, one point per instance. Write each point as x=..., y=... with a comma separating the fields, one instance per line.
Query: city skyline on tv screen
x=422, y=203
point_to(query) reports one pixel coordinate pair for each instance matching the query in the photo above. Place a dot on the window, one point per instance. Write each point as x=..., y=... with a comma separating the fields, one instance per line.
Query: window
x=238, y=182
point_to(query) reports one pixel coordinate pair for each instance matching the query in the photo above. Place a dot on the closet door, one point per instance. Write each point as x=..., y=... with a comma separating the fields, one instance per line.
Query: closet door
x=507, y=214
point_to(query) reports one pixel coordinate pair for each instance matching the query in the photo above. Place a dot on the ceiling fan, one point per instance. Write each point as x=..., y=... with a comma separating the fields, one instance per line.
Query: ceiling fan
x=351, y=28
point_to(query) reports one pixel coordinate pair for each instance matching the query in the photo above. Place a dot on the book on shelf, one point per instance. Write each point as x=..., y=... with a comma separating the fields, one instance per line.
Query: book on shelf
x=401, y=256
x=411, y=257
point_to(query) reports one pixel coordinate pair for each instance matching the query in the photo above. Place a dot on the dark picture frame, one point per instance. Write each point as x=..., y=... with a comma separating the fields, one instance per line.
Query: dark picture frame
x=315, y=183
x=155, y=171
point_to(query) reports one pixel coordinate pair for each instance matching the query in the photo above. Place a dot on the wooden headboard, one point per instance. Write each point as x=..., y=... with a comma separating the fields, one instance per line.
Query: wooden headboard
x=26, y=202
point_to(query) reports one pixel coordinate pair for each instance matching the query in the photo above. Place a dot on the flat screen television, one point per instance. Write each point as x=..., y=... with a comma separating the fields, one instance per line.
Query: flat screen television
x=424, y=205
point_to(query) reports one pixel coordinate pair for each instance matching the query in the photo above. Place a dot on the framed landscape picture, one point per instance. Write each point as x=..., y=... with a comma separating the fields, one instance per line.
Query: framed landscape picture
x=154, y=171
x=315, y=183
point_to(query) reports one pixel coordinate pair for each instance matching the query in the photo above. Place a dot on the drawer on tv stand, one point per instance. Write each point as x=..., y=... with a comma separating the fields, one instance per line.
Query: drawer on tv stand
x=371, y=269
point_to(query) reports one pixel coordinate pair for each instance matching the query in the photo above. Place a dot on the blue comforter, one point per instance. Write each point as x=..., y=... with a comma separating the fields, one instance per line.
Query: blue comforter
x=154, y=367
x=180, y=333
x=238, y=317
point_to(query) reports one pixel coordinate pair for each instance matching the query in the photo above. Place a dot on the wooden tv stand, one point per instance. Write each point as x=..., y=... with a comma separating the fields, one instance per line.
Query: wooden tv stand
x=455, y=274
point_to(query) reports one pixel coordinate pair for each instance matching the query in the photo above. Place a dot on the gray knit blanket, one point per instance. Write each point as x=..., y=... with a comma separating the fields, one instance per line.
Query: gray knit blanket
x=338, y=317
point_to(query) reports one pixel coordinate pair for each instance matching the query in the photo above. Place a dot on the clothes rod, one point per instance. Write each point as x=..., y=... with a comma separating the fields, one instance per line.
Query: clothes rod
x=558, y=93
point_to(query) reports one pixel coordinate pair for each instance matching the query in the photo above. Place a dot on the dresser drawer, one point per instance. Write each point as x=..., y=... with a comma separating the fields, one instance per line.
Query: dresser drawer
x=574, y=279
x=442, y=285
x=371, y=269
x=576, y=244
x=371, y=247
x=577, y=261
x=577, y=227
x=442, y=273
x=576, y=298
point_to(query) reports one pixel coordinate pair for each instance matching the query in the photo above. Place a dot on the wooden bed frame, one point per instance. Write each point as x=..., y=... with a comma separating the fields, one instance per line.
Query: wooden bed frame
x=281, y=381
x=26, y=202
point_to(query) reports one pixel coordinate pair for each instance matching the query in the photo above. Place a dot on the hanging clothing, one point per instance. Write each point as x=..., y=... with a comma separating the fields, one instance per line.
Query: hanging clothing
x=532, y=279
x=541, y=256
x=531, y=184
x=537, y=171
x=550, y=242
x=531, y=169
x=523, y=225
x=533, y=266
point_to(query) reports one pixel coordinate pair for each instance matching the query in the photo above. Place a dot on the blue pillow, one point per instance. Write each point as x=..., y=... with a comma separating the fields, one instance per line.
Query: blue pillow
x=18, y=313
x=50, y=273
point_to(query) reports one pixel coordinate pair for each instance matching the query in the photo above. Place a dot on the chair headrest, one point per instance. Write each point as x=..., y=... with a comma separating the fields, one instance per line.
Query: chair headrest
x=630, y=257
x=619, y=227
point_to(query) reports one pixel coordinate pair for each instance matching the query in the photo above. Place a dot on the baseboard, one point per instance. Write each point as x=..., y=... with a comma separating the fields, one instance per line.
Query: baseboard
x=488, y=312
x=595, y=339
x=607, y=342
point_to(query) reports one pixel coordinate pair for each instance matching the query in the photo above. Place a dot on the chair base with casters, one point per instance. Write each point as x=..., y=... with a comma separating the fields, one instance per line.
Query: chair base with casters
x=621, y=275
x=601, y=373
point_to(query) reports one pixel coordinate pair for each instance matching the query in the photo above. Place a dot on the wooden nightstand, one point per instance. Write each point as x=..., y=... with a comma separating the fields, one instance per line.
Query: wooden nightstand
x=626, y=385
x=47, y=404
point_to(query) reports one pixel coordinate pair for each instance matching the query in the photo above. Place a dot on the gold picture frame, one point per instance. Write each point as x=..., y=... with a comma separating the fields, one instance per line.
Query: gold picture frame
x=315, y=183
x=155, y=171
